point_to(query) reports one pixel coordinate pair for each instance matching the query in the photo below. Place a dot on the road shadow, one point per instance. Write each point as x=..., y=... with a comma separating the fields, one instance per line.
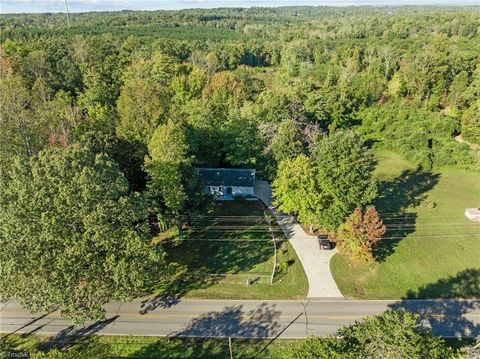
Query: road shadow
x=70, y=336
x=396, y=198
x=233, y=321
x=33, y=321
x=447, y=317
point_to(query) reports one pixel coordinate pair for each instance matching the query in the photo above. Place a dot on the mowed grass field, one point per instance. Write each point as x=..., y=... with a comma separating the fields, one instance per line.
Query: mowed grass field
x=229, y=254
x=106, y=347
x=431, y=249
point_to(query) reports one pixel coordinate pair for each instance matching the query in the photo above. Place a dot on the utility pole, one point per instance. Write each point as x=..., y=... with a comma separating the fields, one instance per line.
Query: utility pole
x=274, y=247
x=68, y=14
x=230, y=347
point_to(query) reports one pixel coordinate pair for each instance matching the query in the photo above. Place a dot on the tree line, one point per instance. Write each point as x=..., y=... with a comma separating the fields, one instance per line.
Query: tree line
x=102, y=128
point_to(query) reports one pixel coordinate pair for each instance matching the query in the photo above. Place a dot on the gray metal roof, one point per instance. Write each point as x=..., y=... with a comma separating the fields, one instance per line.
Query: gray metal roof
x=227, y=177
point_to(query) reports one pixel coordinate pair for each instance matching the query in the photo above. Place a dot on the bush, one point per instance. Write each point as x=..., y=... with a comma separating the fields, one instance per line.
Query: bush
x=423, y=137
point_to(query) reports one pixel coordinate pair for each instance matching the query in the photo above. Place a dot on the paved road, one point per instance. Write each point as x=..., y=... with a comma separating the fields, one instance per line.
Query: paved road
x=315, y=262
x=244, y=319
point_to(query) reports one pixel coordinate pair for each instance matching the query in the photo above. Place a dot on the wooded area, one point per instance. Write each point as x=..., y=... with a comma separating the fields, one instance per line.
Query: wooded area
x=120, y=108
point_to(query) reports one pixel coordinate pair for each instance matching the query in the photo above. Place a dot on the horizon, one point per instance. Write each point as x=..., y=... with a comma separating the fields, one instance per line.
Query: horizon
x=81, y=6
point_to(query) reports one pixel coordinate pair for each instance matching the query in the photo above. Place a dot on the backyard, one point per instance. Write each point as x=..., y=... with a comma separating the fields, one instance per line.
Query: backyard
x=431, y=249
x=229, y=254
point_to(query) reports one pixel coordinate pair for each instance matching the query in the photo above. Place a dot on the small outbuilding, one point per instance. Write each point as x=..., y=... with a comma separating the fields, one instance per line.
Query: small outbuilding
x=473, y=214
x=227, y=183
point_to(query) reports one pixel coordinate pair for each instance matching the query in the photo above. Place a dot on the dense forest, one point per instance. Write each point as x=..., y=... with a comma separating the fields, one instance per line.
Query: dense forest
x=103, y=122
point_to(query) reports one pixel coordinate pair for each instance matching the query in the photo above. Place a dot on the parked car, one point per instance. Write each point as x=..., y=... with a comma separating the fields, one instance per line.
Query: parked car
x=324, y=242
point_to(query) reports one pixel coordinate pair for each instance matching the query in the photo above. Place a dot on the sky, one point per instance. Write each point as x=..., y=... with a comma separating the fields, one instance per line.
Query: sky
x=19, y=6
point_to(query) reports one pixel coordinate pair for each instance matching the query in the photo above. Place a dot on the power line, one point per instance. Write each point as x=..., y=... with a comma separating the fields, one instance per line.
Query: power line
x=68, y=13
x=266, y=240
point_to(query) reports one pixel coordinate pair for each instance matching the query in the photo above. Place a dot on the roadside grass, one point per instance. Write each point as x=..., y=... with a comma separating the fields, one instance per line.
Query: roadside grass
x=433, y=250
x=145, y=347
x=106, y=347
x=229, y=254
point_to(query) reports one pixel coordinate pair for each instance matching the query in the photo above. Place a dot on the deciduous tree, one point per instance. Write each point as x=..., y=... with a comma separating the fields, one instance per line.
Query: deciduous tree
x=167, y=155
x=345, y=174
x=72, y=235
x=360, y=233
x=143, y=101
x=296, y=189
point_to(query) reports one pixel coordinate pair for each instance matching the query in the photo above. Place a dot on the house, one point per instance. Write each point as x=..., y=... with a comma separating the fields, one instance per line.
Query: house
x=227, y=183
x=473, y=214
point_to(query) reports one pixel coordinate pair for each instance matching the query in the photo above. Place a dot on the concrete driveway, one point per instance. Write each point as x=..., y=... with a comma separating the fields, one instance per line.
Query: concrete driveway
x=315, y=262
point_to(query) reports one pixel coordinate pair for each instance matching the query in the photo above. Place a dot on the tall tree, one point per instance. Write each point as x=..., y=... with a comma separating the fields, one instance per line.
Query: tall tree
x=345, y=174
x=296, y=189
x=167, y=157
x=287, y=142
x=223, y=92
x=72, y=235
x=17, y=125
x=144, y=100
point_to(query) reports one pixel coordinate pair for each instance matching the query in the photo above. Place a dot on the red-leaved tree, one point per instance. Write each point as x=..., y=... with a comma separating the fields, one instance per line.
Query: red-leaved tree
x=360, y=233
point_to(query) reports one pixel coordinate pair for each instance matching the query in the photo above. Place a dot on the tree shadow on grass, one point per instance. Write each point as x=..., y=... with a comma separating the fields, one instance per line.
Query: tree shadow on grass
x=232, y=321
x=395, y=198
x=175, y=287
x=211, y=249
x=448, y=317
x=201, y=264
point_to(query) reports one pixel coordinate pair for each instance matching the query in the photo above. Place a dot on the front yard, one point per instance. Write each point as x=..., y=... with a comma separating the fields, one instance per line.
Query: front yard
x=433, y=250
x=229, y=254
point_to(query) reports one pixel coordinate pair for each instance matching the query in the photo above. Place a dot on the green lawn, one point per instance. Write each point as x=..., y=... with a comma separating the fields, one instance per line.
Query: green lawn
x=144, y=347
x=433, y=250
x=208, y=266
x=107, y=347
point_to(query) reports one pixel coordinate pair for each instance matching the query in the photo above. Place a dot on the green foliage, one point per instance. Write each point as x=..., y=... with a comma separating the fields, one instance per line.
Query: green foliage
x=345, y=174
x=167, y=156
x=17, y=124
x=297, y=190
x=245, y=87
x=144, y=98
x=223, y=91
x=324, y=189
x=203, y=137
x=318, y=348
x=242, y=142
x=72, y=236
x=287, y=142
x=393, y=334
x=471, y=123
x=423, y=137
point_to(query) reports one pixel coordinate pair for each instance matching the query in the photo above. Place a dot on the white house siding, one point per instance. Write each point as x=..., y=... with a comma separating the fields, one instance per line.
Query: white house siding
x=221, y=193
x=242, y=191
x=216, y=190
